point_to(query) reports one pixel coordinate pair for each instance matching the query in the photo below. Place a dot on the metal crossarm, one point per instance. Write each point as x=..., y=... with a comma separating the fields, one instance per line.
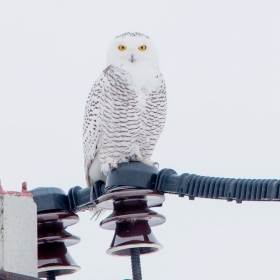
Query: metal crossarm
x=192, y=185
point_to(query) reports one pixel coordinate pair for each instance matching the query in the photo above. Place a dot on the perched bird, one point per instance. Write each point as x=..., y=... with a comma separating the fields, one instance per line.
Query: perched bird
x=126, y=107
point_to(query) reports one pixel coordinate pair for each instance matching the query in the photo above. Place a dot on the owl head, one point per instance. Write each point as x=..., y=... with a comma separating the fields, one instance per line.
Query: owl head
x=132, y=49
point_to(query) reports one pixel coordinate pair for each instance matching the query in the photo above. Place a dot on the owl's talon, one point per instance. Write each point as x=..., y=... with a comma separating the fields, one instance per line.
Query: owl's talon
x=152, y=163
x=107, y=167
x=133, y=158
x=113, y=166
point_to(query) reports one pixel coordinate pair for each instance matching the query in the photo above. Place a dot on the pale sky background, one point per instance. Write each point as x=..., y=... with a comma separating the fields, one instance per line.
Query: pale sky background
x=221, y=63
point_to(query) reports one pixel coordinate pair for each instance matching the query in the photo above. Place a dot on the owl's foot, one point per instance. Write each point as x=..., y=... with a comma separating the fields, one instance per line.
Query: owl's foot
x=149, y=162
x=133, y=158
x=108, y=167
x=139, y=157
x=135, y=154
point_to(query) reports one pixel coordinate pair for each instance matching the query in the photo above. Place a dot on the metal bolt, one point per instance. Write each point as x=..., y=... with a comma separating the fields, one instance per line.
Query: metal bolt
x=24, y=186
x=50, y=275
x=135, y=264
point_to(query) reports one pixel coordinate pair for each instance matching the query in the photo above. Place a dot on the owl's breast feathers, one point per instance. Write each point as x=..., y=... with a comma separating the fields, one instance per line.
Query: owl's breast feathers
x=124, y=116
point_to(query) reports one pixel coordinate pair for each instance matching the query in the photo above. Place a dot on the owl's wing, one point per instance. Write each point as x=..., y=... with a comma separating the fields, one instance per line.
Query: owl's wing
x=92, y=123
x=162, y=104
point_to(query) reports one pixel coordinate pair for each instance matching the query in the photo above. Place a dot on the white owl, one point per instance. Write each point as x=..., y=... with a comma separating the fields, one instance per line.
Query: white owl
x=126, y=107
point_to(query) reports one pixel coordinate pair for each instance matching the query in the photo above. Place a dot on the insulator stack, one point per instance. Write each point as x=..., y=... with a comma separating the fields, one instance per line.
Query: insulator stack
x=128, y=197
x=53, y=217
x=132, y=220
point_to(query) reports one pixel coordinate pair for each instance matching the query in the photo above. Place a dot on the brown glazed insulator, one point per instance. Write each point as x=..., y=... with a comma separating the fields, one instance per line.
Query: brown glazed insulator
x=133, y=234
x=52, y=242
x=131, y=220
x=130, y=209
x=107, y=201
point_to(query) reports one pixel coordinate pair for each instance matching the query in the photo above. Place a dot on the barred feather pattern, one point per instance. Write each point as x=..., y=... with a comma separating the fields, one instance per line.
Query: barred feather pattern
x=122, y=120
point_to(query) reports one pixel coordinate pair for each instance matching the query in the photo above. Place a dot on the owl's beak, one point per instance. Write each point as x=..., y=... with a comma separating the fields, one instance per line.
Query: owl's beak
x=132, y=58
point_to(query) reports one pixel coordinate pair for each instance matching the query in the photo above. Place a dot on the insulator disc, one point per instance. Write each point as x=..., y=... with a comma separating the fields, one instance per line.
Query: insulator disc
x=54, y=257
x=132, y=209
x=153, y=197
x=66, y=218
x=136, y=234
x=51, y=227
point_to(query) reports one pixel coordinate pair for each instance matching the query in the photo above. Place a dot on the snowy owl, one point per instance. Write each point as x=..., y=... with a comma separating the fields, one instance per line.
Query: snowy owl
x=126, y=107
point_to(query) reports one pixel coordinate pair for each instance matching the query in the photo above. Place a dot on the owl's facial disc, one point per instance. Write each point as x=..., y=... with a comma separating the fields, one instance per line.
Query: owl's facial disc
x=132, y=50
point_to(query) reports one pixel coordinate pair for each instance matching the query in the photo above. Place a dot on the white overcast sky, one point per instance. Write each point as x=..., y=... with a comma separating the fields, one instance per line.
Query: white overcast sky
x=221, y=63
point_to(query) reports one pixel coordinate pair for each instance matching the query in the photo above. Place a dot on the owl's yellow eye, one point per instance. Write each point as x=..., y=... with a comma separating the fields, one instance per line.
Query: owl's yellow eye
x=122, y=47
x=142, y=48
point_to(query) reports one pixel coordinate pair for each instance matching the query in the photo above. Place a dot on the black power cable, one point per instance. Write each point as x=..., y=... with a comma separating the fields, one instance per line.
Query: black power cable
x=218, y=188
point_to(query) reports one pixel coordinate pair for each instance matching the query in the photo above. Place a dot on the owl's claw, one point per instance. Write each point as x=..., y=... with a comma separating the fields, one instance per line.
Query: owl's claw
x=152, y=163
x=133, y=158
x=113, y=166
x=108, y=167
x=156, y=164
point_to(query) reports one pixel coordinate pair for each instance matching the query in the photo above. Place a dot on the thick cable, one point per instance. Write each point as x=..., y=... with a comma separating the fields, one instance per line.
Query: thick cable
x=218, y=188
